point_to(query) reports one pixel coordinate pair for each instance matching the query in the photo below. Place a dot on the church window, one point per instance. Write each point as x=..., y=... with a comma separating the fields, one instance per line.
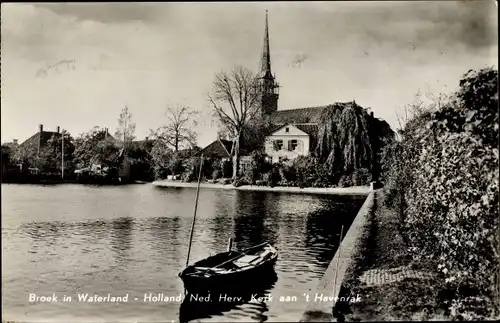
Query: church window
x=287, y=129
x=293, y=144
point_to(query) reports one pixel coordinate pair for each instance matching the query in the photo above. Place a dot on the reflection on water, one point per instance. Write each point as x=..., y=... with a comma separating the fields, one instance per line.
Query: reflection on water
x=197, y=306
x=75, y=239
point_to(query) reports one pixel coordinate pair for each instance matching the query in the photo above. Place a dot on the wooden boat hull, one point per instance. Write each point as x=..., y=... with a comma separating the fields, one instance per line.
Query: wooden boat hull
x=229, y=281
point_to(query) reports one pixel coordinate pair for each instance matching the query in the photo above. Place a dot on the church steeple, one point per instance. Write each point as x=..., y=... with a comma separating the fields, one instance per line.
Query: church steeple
x=269, y=87
x=266, y=55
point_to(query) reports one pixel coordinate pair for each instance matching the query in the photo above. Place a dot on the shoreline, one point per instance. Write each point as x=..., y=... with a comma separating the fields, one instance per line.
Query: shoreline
x=330, y=284
x=355, y=190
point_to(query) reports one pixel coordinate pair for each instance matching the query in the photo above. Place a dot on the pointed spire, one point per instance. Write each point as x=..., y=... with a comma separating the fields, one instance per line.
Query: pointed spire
x=266, y=56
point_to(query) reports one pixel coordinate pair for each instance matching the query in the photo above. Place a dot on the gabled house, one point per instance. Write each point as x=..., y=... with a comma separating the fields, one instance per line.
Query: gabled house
x=220, y=149
x=289, y=141
x=39, y=140
x=295, y=131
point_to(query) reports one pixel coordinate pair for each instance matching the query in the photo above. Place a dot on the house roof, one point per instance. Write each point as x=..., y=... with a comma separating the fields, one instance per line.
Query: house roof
x=220, y=148
x=101, y=135
x=305, y=115
x=12, y=146
x=43, y=136
x=309, y=128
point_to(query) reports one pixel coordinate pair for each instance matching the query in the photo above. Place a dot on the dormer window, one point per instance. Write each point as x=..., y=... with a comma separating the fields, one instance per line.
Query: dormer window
x=287, y=130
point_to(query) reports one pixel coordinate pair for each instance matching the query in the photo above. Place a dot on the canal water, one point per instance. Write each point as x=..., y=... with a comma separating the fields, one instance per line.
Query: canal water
x=66, y=240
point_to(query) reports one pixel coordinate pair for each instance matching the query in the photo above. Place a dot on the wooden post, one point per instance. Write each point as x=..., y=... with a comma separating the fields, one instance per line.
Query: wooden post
x=62, y=154
x=195, y=209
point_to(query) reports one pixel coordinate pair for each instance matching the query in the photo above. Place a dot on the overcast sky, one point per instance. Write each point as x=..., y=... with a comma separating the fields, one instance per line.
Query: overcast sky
x=146, y=56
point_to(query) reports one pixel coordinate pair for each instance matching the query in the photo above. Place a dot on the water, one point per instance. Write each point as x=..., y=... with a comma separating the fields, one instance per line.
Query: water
x=70, y=239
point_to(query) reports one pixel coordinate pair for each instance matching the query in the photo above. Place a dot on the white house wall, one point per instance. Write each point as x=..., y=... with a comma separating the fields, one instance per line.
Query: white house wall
x=303, y=143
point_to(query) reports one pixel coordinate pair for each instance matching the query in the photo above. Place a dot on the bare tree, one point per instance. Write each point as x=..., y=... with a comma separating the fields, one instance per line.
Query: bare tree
x=126, y=128
x=234, y=100
x=178, y=131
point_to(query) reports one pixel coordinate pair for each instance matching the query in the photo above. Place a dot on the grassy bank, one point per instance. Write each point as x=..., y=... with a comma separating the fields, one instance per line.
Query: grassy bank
x=391, y=286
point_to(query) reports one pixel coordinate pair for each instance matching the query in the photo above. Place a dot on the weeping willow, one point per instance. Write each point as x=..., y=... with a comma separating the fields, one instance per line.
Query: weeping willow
x=350, y=139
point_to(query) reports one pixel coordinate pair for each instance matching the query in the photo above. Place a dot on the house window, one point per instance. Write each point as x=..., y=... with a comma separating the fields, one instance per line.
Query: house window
x=293, y=145
x=287, y=129
x=278, y=144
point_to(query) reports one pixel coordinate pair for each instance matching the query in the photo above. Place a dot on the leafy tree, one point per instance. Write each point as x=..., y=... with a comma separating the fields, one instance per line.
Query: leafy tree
x=160, y=155
x=139, y=156
x=50, y=156
x=95, y=147
x=126, y=128
x=6, y=155
x=26, y=155
x=350, y=139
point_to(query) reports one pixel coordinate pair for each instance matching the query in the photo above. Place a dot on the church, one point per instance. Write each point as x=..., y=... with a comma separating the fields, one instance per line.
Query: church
x=294, y=131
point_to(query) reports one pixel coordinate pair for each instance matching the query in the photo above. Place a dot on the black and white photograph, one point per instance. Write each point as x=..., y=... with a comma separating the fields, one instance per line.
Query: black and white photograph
x=287, y=161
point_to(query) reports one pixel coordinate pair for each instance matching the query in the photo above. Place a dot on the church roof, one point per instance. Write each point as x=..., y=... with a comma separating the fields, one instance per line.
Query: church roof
x=310, y=129
x=310, y=115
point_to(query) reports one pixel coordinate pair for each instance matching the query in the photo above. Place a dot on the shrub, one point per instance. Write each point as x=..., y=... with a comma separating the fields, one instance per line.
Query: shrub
x=256, y=167
x=261, y=182
x=216, y=174
x=240, y=182
x=452, y=209
x=272, y=177
x=444, y=183
x=287, y=173
x=227, y=169
x=345, y=181
x=361, y=177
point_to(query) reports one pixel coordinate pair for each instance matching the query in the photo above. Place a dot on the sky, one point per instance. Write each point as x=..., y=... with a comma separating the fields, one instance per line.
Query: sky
x=148, y=56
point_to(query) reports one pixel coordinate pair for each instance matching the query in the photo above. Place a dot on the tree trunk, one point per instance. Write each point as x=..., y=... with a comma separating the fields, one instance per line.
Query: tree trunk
x=236, y=157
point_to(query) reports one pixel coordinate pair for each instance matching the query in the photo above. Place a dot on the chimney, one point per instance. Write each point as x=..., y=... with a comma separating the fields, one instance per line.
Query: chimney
x=371, y=114
x=58, y=129
x=39, y=139
x=106, y=132
x=15, y=141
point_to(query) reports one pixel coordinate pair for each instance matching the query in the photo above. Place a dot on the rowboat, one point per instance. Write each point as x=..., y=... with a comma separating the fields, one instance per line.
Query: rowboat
x=227, y=270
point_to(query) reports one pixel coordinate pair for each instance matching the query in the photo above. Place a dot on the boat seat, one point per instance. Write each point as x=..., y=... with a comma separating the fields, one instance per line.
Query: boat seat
x=265, y=253
x=208, y=268
x=245, y=260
